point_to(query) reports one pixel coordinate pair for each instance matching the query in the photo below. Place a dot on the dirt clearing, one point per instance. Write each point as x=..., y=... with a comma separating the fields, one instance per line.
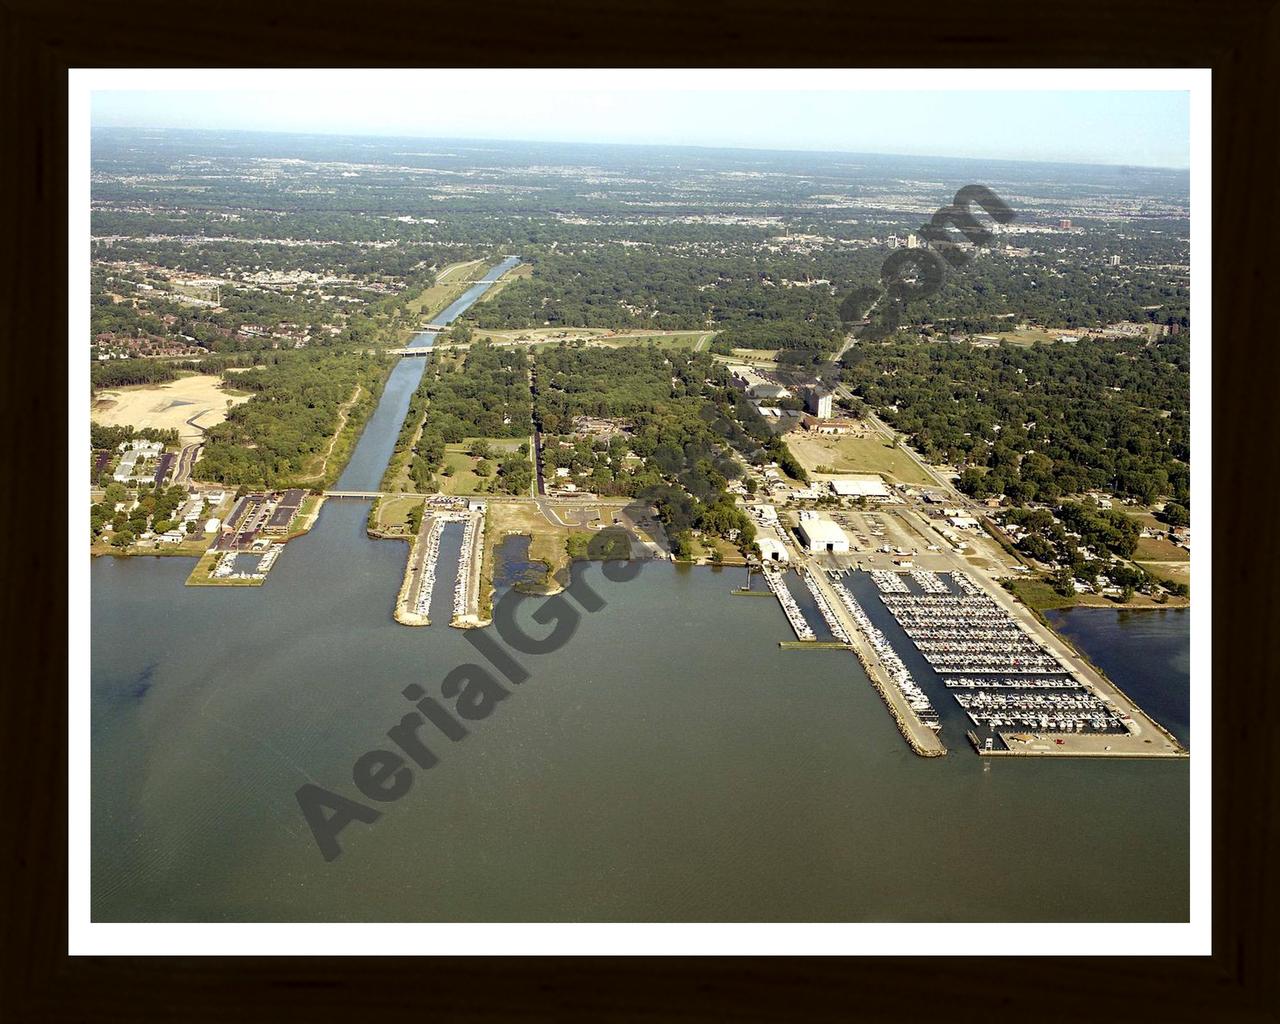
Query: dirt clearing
x=185, y=405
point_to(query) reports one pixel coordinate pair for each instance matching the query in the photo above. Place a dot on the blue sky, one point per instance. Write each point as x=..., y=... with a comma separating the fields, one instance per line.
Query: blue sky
x=1105, y=127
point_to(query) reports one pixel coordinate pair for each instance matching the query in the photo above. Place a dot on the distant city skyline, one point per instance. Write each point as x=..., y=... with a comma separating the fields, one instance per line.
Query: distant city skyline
x=1118, y=128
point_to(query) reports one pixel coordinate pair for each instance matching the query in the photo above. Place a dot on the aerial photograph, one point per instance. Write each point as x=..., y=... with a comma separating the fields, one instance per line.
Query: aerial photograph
x=600, y=505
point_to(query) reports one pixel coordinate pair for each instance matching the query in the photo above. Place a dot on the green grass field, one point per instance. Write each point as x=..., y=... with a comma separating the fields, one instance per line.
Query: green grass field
x=848, y=454
x=758, y=356
x=523, y=270
x=549, y=543
x=701, y=547
x=1179, y=572
x=1038, y=595
x=463, y=478
x=681, y=339
x=541, y=337
x=1157, y=549
x=393, y=513
x=451, y=282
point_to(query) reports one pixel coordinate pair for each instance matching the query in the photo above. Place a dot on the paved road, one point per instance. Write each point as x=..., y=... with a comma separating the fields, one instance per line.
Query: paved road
x=186, y=462
x=537, y=462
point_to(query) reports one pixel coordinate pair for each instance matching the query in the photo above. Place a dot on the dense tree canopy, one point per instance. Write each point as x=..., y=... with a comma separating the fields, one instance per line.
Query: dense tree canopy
x=274, y=438
x=681, y=431
x=1039, y=422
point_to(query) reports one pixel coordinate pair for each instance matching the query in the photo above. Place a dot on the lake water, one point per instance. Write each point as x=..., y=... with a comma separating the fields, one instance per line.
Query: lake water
x=669, y=763
x=1146, y=652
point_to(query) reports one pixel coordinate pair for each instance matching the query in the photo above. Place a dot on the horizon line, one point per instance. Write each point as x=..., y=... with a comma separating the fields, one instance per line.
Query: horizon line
x=648, y=145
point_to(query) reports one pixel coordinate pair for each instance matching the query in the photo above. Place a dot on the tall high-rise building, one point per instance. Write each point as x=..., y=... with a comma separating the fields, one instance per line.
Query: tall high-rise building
x=1065, y=224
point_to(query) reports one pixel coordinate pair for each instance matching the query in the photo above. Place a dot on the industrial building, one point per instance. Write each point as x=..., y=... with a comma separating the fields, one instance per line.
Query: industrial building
x=862, y=485
x=838, y=425
x=823, y=535
x=772, y=550
x=768, y=391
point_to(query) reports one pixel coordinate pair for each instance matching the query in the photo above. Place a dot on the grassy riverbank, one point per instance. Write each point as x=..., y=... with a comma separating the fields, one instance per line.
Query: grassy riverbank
x=1038, y=595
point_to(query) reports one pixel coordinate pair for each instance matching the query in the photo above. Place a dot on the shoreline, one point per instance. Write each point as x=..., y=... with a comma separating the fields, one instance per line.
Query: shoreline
x=1181, y=751
x=912, y=730
x=872, y=672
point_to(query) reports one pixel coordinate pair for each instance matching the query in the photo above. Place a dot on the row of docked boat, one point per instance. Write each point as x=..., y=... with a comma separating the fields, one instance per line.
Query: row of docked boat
x=1047, y=713
x=441, y=512
x=893, y=665
x=1078, y=702
x=226, y=565
x=462, y=586
x=1047, y=723
x=943, y=606
x=429, y=559
x=929, y=582
x=1000, y=674
x=824, y=606
x=969, y=634
x=889, y=582
x=1058, y=682
x=779, y=587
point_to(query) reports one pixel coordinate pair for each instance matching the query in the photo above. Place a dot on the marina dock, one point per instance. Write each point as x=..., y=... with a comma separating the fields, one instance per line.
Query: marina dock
x=1020, y=693
x=825, y=609
x=778, y=585
x=413, y=603
x=911, y=710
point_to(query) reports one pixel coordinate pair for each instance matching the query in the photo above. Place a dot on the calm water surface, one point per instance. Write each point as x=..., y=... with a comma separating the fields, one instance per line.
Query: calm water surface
x=669, y=763
x=649, y=770
x=1146, y=652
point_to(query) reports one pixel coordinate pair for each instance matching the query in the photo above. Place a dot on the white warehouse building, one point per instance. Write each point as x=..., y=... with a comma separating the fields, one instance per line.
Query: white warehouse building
x=823, y=535
x=867, y=485
x=772, y=550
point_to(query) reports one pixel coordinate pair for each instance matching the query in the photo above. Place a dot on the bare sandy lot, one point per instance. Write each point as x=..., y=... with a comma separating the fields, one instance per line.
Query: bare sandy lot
x=185, y=404
x=1173, y=572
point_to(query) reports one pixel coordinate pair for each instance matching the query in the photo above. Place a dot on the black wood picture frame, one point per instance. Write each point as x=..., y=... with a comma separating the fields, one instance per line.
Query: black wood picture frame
x=1238, y=39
